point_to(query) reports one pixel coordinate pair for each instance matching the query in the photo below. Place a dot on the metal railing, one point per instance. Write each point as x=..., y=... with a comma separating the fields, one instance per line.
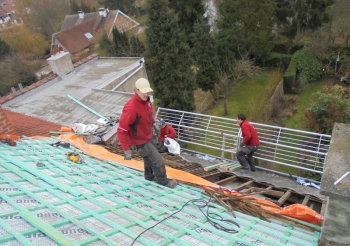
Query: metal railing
x=303, y=150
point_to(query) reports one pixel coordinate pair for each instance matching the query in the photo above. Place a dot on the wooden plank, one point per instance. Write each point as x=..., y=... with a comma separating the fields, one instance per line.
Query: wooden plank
x=249, y=191
x=284, y=197
x=242, y=186
x=306, y=200
x=268, y=192
x=226, y=180
x=212, y=175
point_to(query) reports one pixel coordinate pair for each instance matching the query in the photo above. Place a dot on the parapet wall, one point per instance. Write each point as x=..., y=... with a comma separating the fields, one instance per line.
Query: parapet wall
x=335, y=230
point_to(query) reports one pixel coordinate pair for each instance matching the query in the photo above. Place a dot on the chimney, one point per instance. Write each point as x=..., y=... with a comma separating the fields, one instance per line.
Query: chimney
x=81, y=14
x=5, y=125
x=61, y=63
x=102, y=12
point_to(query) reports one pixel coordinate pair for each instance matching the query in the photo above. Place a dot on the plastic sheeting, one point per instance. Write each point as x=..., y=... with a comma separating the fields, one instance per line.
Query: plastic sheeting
x=297, y=211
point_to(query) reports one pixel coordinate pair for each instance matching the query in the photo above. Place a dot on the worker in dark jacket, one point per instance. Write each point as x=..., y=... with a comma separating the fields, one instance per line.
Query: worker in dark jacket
x=249, y=145
x=135, y=129
x=165, y=131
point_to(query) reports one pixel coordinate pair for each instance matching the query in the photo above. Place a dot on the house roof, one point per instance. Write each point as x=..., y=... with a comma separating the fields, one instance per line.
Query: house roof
x=74, y=39
x=25, y=125
x=47, y=199
x=97, y=87
x=8, y=7
x=72, y=35
x=113, y=18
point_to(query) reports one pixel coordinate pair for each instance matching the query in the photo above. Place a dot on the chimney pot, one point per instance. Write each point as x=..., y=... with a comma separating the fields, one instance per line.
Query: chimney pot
x=102, y=12
x=81, y=14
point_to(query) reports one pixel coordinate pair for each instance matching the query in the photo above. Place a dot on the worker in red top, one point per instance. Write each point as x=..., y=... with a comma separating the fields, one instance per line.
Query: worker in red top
x=165, y=131
x=249, y=145
x=135, y=129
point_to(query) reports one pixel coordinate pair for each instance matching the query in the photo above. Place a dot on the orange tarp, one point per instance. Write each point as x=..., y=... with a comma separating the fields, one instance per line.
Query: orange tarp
x=100, y=152
x=298, y=211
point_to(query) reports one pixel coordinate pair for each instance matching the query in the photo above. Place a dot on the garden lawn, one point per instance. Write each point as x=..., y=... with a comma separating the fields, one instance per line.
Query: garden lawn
x=299, y=120
x=249, y=96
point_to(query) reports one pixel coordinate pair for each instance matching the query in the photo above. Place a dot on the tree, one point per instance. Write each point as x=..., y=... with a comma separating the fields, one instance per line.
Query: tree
x=303, y=15
x=248, y=25
x=4, y=48
x=136, y=47
x=330, y=105
x=340, y=20
x=26, y=78
x=74, y=7
x=206, y=58
x=19, y=38
x=168, y=58
x=42, y=16
x=189, y=12
x=126, y=6
x=228, y=78
x=17, y=68
x=309, y=68
x=120, y=43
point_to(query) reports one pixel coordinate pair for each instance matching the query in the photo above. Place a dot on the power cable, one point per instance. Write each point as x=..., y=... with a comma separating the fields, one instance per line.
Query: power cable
x=211, y=217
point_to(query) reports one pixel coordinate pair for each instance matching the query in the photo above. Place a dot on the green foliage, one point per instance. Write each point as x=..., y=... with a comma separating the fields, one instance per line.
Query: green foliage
x=286, y=47
x=16, y=68
x=136, y=47
x=248, y=25
x=4, y=48
x=289, y=78
x=250, y=96
x=188, y=12
x=33, y=44
x=277, y=60
x=309, y=68
x=306, y=15
x=126, y=6
x=121, y=45
x=168, y=59
x=206, y=59
x=107, y=44
x=330, y=105
x=26, y=78
x=299, y=120
x=75, y=7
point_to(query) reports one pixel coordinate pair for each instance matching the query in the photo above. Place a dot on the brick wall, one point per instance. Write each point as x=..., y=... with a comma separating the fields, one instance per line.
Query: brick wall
x=5, y=125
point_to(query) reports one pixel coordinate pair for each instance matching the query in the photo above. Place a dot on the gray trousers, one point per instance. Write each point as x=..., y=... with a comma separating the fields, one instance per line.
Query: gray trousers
x=245, y=156
x=153, y=163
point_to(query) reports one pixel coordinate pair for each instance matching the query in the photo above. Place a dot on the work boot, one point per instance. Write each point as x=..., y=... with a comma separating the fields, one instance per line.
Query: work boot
x=171, y=183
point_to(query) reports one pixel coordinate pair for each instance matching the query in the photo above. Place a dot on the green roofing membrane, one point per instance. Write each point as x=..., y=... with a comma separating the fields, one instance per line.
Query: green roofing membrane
x=104, y=203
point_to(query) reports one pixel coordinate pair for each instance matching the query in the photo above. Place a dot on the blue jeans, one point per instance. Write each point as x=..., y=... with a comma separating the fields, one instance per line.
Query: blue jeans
x=153, y=163
x=245, y=156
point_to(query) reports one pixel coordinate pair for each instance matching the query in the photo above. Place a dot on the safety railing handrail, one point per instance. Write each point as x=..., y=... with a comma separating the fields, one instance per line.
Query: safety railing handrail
x=291, y=148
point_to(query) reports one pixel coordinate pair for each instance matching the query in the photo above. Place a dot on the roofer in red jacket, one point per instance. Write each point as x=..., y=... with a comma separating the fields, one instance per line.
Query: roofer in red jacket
x=249, y=145
x=135, y=129
x=165, y=131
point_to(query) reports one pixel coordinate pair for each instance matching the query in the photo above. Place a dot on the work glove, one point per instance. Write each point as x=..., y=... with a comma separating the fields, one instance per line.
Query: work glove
x=242, y=144
x=127, y=155
x=156, y=129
